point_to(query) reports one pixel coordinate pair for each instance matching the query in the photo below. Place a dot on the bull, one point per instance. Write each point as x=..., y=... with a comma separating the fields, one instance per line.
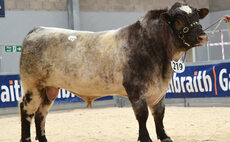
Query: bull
x=133, y=61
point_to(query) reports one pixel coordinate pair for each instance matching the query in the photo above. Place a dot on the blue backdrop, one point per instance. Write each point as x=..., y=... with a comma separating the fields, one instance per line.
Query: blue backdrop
x=201, y=81
x=196, y=81
x=10, y=92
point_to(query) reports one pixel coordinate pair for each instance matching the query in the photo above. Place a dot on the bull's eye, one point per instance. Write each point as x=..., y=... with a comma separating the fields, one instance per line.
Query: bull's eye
x=185, y=29
x=179, y=22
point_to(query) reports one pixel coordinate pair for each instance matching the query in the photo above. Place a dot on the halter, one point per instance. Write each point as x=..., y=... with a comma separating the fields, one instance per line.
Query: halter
x=180, y=35
x=184, y=31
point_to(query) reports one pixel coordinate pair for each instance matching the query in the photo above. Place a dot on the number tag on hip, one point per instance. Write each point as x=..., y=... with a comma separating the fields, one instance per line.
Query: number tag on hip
x=72, y=38
x=178, y=67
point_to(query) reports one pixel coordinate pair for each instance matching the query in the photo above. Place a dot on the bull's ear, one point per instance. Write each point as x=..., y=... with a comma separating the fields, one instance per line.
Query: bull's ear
x=165, y=17
x=203, y=12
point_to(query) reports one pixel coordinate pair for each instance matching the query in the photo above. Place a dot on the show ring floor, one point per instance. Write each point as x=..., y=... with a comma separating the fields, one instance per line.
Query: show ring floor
x=114, y=124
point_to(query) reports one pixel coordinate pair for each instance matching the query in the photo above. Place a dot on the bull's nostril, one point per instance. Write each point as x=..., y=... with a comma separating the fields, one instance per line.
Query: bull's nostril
x=202, y=38
x=199, y=38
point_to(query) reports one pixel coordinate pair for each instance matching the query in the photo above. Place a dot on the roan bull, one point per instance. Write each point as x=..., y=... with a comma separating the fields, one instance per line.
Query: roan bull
x=132, y=61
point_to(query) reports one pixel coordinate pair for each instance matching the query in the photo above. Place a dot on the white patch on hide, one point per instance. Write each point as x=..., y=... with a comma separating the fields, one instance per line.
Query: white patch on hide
x=72, y=38
x=186, y=9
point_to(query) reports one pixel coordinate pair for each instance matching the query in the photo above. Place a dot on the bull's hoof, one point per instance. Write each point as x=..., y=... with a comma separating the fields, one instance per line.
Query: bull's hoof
x=166, y=140
x=144, y=139
x=41, y=139
x=25, y=140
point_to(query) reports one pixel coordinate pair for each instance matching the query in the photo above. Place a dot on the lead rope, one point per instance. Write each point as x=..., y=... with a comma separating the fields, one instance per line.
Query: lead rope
x=217, y=26
x=184, y=57
x=229, y=28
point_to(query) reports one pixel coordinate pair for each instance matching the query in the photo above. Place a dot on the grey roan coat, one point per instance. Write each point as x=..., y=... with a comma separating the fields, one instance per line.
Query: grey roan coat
x=132, y=61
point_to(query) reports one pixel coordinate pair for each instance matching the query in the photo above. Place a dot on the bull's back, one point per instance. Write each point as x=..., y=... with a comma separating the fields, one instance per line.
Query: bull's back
x=77, y=61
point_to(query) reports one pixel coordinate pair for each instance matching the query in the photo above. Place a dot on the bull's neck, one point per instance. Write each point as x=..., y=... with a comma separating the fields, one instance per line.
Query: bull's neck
x=167, y=41
x=165, y=36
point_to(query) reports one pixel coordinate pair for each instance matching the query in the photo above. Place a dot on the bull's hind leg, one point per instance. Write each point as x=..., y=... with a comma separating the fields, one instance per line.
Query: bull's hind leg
x=48, y=95
x=29, y=105
x=139, y=104
x=158, y=113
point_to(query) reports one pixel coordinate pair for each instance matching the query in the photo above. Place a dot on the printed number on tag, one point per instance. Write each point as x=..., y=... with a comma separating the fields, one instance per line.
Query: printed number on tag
x=178, y=67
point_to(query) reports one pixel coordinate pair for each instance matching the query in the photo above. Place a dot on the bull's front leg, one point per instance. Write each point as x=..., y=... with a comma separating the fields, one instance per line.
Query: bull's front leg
x=158, y=113
x=137, y=98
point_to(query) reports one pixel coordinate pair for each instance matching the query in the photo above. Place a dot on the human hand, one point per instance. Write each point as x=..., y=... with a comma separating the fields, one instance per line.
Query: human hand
x=227, y=18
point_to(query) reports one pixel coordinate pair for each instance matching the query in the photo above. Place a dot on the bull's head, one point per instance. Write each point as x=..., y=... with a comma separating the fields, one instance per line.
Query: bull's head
x=184, y=22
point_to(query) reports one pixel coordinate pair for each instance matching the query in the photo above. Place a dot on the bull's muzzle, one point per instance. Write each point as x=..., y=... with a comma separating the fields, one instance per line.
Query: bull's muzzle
x=202, y=39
